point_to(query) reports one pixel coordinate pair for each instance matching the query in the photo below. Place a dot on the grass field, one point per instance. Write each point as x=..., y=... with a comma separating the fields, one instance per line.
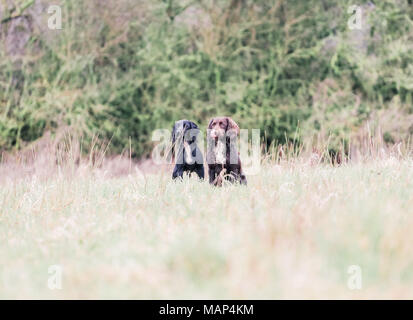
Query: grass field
x=85, y=85
x=292, y=233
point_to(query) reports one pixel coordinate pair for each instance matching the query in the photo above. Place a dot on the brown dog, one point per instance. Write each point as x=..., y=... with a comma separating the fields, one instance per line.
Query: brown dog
x=222, y=154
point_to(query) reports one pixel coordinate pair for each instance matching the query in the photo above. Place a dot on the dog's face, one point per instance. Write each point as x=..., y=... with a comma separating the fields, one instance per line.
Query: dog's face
x=180, y=129
x=218, y=127
x=184, y=134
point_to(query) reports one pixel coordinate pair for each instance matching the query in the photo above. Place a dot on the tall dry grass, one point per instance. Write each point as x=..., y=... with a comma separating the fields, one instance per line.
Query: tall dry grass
x=120, y=231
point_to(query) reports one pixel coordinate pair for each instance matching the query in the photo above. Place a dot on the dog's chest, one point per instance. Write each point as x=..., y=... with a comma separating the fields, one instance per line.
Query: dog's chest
x=220, y=153
x=188, y=153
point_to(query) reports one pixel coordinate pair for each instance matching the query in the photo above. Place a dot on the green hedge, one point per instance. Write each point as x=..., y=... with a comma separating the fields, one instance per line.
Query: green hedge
x=273, y=65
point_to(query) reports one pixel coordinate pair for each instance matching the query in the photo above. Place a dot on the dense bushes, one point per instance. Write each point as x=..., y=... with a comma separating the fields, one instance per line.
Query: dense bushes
x=122, y=68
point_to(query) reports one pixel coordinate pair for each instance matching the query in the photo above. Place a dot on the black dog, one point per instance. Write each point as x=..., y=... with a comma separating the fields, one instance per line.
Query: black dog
x=189, y=157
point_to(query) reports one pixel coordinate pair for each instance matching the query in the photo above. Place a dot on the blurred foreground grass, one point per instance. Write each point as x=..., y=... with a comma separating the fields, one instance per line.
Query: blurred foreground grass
x=292, y=233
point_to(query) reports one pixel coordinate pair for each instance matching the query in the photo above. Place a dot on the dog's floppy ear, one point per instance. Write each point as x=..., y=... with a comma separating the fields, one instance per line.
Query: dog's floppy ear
x=232, y=125
x=173, y=136
x=194, y=130
x=171, y=152
x=210, y=123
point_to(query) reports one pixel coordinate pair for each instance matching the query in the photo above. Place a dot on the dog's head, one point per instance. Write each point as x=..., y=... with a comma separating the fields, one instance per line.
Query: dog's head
x=222, y=126
x=181, y=129
x=184, y=133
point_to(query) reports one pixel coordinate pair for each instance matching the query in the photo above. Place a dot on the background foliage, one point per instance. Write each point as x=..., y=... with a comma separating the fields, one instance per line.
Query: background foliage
x=119, y=69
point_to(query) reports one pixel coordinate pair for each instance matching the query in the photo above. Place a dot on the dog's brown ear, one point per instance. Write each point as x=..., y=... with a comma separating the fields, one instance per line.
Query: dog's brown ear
x=232, y=125
x=210, y=123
